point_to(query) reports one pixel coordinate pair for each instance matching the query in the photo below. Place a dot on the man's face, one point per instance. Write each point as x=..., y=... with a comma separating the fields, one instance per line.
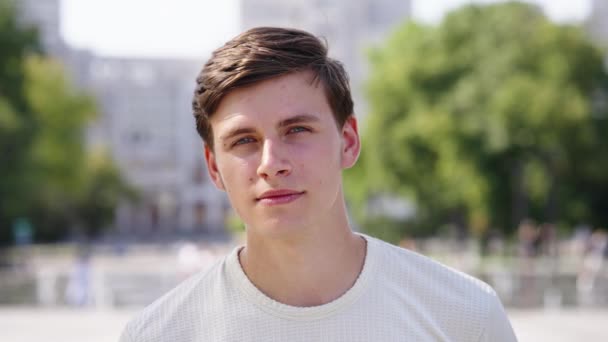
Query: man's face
x=279, y=155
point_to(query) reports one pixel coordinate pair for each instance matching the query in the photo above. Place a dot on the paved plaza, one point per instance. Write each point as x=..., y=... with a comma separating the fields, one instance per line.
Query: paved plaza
x=64, y=325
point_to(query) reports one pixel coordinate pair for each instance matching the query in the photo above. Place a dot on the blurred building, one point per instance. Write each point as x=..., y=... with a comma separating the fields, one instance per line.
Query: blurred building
x=350, y=27
x=146, y=124
x=597, y=23
x=45, y=15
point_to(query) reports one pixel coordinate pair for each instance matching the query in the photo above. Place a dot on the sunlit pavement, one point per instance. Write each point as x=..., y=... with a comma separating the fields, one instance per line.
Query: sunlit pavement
x=61, y=325
x=65, y=325
x=561, y=326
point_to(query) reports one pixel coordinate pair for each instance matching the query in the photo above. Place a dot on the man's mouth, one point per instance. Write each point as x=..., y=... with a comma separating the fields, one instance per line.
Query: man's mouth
x=280, y=196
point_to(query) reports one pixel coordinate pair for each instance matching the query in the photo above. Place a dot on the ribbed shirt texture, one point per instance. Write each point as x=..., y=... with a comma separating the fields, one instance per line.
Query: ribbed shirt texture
x=398, y=296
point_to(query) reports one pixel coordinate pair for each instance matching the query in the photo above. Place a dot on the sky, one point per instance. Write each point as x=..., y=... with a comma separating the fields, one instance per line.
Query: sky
x=193, y=28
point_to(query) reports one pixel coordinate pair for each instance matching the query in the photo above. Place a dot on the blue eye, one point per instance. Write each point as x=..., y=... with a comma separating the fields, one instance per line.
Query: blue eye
x=245, y=140
x=298, y=129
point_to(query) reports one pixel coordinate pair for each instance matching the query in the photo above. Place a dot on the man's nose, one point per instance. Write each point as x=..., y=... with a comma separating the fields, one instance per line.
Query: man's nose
x=274, y=160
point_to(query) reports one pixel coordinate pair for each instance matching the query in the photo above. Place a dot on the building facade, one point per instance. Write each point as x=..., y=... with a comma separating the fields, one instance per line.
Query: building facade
x=597, y=22
x=147, y=126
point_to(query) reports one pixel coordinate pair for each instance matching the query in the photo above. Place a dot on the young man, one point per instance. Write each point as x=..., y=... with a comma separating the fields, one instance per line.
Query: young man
x=276, y=117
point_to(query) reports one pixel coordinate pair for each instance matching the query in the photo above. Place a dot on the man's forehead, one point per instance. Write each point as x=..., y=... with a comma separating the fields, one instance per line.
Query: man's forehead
x=239, y=119
x=301, y=79
x=277, y=102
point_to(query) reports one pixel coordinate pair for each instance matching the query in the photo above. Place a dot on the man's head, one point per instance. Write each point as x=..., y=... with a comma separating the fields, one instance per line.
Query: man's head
x=276, y=116
x=263, y=53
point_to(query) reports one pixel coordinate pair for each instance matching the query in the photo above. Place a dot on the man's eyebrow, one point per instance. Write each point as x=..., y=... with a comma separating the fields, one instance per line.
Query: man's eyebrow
x=301, y=118
x=237, y=131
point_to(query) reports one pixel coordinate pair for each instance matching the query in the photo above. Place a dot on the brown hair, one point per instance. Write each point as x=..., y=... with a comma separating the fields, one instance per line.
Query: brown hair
x=262, y=53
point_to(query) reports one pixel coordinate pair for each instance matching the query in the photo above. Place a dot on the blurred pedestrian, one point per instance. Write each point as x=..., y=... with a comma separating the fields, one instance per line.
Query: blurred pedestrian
x=592, y=265
x=528, y=239
x=527, y=233
x=78, y=290
x=547, y=241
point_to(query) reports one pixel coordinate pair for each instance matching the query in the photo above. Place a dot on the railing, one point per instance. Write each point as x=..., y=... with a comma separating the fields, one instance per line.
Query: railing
x=138, y=274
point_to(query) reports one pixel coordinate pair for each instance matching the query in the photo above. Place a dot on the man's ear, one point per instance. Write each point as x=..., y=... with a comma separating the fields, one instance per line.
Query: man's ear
x=351, y=144
x=212, y=168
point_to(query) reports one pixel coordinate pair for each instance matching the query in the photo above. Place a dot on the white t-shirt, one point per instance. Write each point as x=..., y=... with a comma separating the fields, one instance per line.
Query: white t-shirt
x=399, y=296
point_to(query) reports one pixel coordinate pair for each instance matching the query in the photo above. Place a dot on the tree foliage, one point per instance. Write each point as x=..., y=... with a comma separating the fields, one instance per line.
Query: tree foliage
x=16, y=121
x=47, y=176
x=493, y=116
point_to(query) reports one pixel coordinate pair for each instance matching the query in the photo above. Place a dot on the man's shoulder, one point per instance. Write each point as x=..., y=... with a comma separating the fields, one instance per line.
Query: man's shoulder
x=424, y=271
x=450, y=299
x=441, y=286
x=183, y=303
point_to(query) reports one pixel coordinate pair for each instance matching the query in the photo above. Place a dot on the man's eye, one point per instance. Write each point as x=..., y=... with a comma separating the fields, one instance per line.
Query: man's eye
x=298, y=129
x=243, y=141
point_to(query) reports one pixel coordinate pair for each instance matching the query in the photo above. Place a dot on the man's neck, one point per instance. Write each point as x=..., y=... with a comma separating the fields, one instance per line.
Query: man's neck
x=313, y=270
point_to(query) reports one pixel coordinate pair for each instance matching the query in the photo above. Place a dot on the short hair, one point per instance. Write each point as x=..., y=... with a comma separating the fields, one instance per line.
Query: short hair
x=263, y=53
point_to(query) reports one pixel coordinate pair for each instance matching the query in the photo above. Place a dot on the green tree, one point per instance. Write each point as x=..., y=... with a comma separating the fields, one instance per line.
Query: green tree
x=493, y=116
x=16, y=121
x=75, y=188
x=46, y=173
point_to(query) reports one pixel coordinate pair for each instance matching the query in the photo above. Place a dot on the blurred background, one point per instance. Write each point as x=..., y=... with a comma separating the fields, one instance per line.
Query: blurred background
x=484, y=127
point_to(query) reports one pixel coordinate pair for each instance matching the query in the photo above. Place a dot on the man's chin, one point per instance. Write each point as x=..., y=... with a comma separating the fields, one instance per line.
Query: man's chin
x=279, y=228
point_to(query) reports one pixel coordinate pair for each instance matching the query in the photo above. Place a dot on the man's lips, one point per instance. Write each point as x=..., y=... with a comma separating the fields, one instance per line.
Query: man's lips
x=281, y=196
